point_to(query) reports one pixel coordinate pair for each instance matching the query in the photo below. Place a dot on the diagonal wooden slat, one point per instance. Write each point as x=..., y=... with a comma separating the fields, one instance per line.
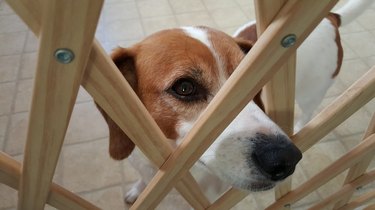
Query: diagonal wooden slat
x=255, y=69
x=360, y=201
x=59, y=197
x=66, y=24
x=348, y=160
x=349, y=188
x=280, y=91
x=356, y=96
x=360, y=168
x=154, y=141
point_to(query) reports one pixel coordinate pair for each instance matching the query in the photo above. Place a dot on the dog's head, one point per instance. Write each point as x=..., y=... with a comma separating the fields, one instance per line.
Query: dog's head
x=176, y=73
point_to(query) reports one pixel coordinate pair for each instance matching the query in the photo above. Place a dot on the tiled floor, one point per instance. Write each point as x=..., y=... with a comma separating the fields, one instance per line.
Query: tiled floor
x=85, y=167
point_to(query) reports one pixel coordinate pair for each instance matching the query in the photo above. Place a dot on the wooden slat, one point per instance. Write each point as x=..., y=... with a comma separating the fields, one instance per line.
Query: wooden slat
x=348, y=160
x=360, y=201
x=280, y=91
x=356, y=96
x=229, y=199
x=66, y=24
x=256, y=68
x=360, y=168
x=154, y=143
x=113, y=93
x=348, y=188
x=60, y=198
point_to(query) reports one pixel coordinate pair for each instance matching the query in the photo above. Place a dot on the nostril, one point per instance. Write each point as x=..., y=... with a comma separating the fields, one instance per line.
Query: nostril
x=276, y=160
x=274, y=165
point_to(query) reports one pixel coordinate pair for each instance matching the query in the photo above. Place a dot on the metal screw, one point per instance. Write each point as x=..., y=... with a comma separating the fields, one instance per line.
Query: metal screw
x=289, y=40
x=64, y=56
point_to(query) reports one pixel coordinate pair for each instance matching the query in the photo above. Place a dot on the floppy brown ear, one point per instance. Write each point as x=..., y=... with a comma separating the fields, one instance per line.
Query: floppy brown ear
x=244, y=44
x=120, y=145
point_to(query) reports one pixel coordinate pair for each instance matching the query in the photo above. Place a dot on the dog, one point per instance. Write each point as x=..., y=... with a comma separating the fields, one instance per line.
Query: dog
x=177, y=72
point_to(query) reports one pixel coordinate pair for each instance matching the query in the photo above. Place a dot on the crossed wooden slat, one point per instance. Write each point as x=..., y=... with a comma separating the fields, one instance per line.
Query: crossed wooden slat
x=71, y=24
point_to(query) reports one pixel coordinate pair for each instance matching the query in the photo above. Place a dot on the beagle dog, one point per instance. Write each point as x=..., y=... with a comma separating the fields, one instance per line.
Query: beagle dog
x=177, y=72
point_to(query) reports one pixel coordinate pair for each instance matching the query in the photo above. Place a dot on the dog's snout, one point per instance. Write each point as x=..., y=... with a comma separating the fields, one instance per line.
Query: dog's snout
x=275, y=156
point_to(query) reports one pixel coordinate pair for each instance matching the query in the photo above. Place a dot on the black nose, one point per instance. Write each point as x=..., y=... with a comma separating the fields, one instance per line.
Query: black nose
x=275, y=156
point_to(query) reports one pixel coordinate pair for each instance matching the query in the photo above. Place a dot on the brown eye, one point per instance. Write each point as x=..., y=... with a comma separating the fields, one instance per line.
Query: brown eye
x=188, y=90
x=184, y=88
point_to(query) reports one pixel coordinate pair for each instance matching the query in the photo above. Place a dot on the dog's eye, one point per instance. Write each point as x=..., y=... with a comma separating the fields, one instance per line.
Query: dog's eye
x=187, y=89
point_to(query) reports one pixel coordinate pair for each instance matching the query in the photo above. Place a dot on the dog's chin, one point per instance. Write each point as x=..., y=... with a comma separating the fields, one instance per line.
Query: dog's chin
x=255, y=186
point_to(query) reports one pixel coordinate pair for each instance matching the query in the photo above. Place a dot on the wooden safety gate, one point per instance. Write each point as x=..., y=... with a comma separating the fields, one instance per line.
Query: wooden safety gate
x=66, y=28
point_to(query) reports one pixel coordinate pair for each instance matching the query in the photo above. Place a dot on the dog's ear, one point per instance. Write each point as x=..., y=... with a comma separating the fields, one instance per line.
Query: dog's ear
x=120, y=145
x=124, y=60
x=244, y=44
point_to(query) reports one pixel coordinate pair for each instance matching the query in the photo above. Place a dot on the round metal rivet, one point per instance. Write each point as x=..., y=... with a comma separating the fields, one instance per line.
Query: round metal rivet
x=64, y=56
x=289, y=40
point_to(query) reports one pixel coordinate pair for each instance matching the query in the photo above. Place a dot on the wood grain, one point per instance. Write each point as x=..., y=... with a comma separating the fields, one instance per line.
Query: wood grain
x=279, y=93
x=66, y=24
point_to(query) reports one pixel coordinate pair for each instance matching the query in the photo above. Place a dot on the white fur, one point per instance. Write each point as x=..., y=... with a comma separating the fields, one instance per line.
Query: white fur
x=202, y=35
x=316, y=63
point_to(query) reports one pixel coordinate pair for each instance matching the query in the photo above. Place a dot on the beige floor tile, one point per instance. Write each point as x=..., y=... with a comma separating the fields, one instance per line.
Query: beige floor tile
x=107, y=199
x=17, y=134
x=12, y=43
x=362, y=43
x=124, y=30
x=299, y=178
x=11, y=23
x=173, y=201
x=32, y=43
x=219, y=4
x=195, y=19
x=120, y=11
x=9, y=66
x=247, y=203
x=245, y=2
x=154, y=8
x=155, y=24
x=357, y=123
x=28, y=65
x=87, y=166
x=370, y=61
x=5, y=9
x=352, y=141
x=24, y=95
x=222, y=19
x=370, y=106
x=249, y=11
x=348, y=52
x=351, y=71
x=6, y=97
x=8, y=197
x=86, y=124
x=319, y=157
x=3, y=127
x=352, y=27
x=367, y=19
x=182, y=6
x=83, y=95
